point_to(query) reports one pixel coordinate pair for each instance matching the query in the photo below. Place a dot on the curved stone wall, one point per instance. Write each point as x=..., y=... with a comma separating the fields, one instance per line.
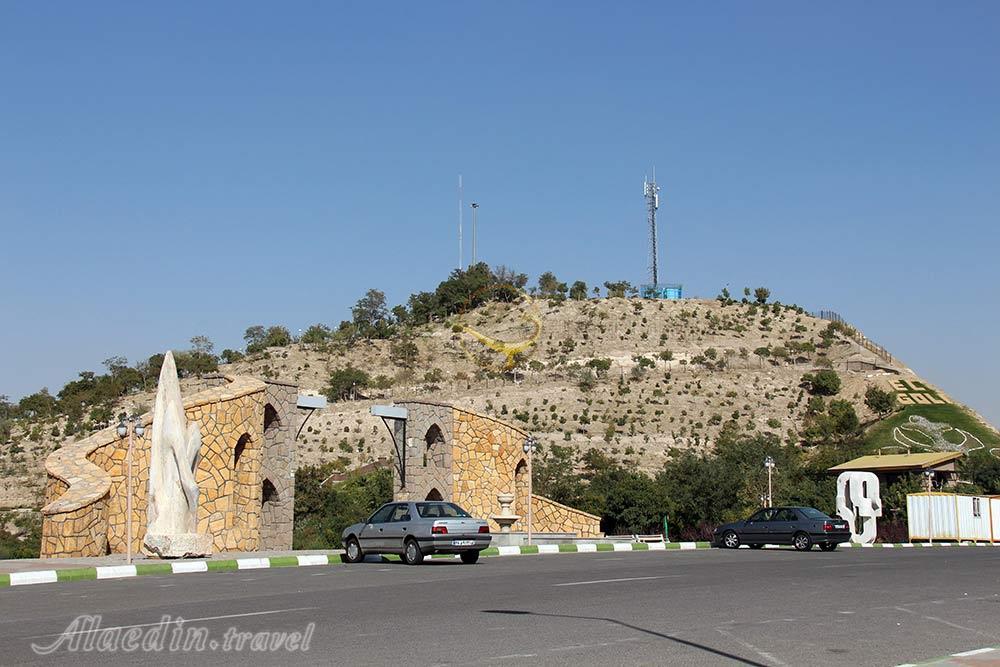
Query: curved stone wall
x=87, y=485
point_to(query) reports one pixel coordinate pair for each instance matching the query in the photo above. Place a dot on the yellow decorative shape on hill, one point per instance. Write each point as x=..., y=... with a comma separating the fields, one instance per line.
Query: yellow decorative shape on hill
x=509, y=350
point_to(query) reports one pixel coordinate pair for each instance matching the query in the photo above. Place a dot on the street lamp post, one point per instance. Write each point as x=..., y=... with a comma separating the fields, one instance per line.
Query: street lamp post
x=929, y=476
x=769, y=464
x=530, y=444
x=130, y=426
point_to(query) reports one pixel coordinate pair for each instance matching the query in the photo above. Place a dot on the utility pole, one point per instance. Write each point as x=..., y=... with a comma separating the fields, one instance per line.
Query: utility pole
x=461, y=212
x=475, y=209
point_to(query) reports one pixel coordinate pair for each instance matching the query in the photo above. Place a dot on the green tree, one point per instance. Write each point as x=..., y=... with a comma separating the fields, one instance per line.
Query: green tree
x=822, y=383
x=344, y=383
x=763, y=353
x=879, y=401
x=371, y=315
x=202, y=344
x=231, y=356
x=550, y=287
x=317, y=334
x=404, y=352
x=618, y=288
x=761, y=295
x=578, y=292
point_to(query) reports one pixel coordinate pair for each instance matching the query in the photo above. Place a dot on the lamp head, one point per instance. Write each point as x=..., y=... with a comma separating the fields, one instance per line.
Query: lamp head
x=122, y=429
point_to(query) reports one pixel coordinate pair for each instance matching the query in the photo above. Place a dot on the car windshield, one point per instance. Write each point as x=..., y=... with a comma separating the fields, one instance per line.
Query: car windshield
x=813, y=513
x=440, y=510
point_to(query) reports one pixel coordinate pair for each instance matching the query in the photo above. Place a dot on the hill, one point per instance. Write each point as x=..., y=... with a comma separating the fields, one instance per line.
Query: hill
x=634, y=379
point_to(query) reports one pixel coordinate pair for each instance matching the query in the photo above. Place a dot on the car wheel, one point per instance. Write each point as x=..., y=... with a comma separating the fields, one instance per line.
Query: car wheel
x=828, y=547
x=470, y=557
x=756, y=546
x=731, y=540
x=802, y=542
x=412, y=555
x=352, y=551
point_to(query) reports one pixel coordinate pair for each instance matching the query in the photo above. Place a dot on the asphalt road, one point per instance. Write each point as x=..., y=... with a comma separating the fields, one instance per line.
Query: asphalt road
x=769, y=607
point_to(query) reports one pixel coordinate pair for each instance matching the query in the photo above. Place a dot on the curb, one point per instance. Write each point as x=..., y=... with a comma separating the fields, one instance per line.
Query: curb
x=194, y=566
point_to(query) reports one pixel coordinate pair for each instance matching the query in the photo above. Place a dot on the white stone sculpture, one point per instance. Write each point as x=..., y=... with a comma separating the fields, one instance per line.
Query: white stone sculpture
x=859, y=504
x=172, y=510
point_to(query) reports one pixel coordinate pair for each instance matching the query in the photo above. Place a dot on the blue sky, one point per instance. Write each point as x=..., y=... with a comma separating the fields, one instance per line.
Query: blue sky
x=167, y=171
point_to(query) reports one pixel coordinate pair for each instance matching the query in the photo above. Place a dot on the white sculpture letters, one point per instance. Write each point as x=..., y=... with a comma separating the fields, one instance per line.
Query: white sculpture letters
x=172, y=510
x=859, y=503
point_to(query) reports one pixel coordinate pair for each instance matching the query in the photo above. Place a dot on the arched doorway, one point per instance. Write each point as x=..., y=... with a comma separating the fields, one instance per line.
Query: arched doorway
x=434, y=449
x=271, y=419
x=268, y=494
x=434, y=494
x=241, y=446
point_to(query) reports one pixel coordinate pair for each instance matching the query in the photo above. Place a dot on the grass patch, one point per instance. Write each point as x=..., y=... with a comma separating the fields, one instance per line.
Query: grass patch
x=153, y=568
x=605, y=547
x=4, y=580
x=491, y=551
x=881, y=434
x=214, y=565
x=76, y=574
x=640, y=546
x=567, y=548
x=283, y=561
x=533, y=549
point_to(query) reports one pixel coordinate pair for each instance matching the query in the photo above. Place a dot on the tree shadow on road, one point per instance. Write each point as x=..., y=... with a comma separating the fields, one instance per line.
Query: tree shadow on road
x=614, y=621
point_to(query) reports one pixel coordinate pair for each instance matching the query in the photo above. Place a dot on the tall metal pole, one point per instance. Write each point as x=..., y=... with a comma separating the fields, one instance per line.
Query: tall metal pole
x=530, y=491
x=128, y=502
x=770, y=497
x=475, y=219
x=461, y=212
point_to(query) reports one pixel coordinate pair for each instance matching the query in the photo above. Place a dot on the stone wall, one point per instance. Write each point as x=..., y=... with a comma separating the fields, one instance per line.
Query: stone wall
x=548, y=516
x=87, y=484
x=282, y=420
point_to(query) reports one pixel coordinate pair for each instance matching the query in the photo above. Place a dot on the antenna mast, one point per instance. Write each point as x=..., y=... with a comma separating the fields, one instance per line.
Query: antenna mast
x=460, y=211
x=651, y=191
x=475, y=209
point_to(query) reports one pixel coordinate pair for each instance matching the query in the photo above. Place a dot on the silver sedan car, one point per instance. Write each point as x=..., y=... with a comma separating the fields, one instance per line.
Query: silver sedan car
x=417, y=529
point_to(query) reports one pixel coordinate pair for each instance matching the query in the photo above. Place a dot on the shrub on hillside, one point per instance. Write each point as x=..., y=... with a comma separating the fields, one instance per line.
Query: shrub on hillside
x=822, y=383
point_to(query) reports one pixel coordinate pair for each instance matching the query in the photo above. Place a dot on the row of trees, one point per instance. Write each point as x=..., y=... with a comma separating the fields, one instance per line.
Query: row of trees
x=91, y=397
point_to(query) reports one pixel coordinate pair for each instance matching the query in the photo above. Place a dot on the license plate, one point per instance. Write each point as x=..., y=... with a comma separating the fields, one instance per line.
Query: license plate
x=462, y=543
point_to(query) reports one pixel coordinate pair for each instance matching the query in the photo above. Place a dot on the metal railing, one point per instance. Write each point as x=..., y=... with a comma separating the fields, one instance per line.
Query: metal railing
x=860, y=338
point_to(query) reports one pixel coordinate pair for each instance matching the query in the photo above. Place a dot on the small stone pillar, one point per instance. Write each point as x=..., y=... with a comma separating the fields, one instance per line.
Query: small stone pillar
x=505, y=518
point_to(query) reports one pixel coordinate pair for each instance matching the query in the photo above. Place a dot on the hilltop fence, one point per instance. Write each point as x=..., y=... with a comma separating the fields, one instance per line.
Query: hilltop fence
x=861, y=339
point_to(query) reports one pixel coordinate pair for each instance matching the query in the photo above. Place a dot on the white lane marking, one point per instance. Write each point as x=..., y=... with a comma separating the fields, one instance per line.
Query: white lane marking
x=689, y=545
x=657, y=546
x=186, y=620
x=600, y=559
x=509, y=551
x=586, y=548
x=577, y=647
x=115, y=571
x=313, y=559
x=610, y=581
x=622, y=546
x=184, y=567
x=763, y=654
x=37, y=577
x=252, y=563
x=548, y=548
x=978, y=651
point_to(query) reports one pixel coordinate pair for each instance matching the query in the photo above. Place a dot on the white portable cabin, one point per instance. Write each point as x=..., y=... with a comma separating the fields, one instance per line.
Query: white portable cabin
x=953, y=517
